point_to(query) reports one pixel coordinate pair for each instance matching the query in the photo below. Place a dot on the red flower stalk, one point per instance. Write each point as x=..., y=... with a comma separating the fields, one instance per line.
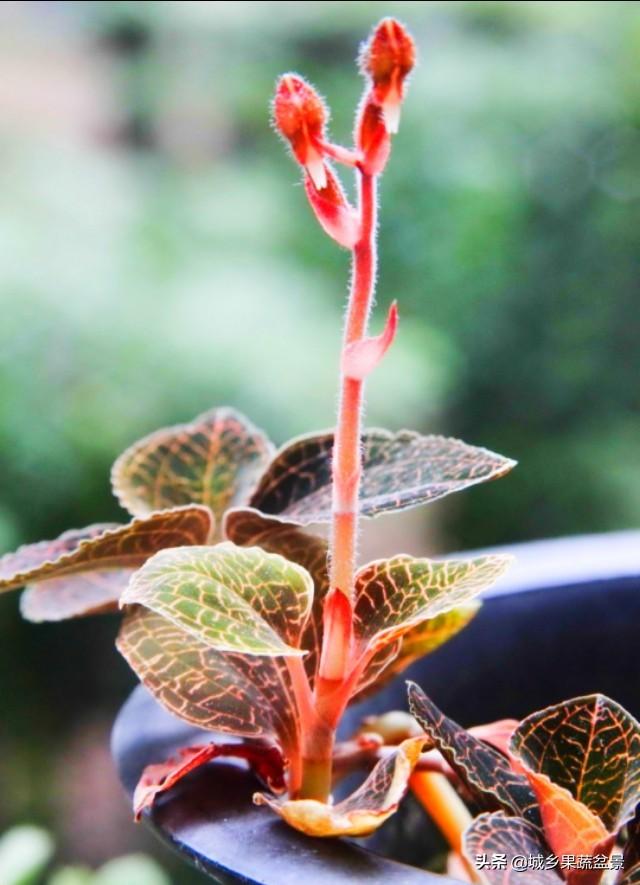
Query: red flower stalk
x=300, y=116
x=387, y=59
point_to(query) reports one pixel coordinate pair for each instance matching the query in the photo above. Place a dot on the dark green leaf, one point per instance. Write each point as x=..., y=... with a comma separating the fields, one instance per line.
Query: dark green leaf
x=591, y=747
x=513, y=837
x=483, y=770
x=400, y=471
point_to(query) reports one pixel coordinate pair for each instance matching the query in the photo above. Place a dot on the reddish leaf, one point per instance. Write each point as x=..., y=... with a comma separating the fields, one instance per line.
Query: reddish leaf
x=569, y=826
x=158, y=778
x=215, y=460
x=483, y=770
x=399, y=471
x=513, y=837
x=244, y=695
x=85, y=570
x=498, y=733
x=87, y=593
x=363, y=811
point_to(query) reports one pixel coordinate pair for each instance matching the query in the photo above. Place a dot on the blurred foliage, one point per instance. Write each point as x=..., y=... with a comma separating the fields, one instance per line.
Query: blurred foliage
x=158, y=258
x=26, y=853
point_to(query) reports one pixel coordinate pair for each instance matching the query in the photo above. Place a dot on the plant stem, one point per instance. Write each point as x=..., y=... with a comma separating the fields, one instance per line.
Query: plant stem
x=445, y=808
x=346, y=453
x=347, y=457
x=331, y=693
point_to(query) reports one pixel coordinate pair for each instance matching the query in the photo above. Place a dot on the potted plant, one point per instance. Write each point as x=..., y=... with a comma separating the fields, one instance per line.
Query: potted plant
x=255, y=638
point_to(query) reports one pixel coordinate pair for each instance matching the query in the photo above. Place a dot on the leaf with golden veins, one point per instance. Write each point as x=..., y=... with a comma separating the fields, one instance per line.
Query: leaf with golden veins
x=243, y=695
x=84, y=570
x=498, y=834
x=214, y=460
x=486, y=773
x=399, y=471
x=232, y=598
x=416, y=643
x=248, y=527
x=590, y=746
x=364, y=810
x=395, y=595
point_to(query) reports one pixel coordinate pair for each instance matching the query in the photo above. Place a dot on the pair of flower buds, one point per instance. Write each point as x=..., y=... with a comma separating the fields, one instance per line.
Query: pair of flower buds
x=300, y=115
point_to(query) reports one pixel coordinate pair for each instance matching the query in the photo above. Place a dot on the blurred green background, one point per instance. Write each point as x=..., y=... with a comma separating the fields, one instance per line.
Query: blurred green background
x=157, y=258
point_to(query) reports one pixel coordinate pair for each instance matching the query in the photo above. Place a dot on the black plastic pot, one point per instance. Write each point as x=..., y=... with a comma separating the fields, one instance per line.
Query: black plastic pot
x=563, y=622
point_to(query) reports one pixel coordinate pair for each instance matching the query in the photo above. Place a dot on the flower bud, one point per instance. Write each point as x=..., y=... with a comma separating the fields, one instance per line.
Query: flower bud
x=387, y=59
x=300, y=116
x=332, y=209
x=372, y=137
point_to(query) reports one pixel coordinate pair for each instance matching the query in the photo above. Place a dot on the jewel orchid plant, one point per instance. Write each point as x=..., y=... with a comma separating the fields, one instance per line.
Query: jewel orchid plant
x=558, y=793
x=238, y=618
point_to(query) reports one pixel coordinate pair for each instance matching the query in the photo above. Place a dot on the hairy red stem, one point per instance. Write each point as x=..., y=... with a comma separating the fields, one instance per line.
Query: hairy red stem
x=347, y=456
x=333, y=685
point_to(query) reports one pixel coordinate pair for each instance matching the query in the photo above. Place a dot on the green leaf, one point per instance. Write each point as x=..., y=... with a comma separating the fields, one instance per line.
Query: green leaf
x=84, y=557
x=496, y=834
x=419, y=641
x=400, y=471
x=248, y=527
x=364, y=810
x=591, y=747
x=395, y=595
x=483, y=770
x=244, y=695
x=215, y=460
x=233, y=598
x=24, y=853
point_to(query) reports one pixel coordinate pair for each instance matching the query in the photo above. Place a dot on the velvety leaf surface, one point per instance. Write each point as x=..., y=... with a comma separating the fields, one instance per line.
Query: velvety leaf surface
x=591, y=747
x=233, y=598
x=247, y=527
x=237, y=694
x=87, y=593
x=416, y=643
x=400, y=471
x=485, y=771
x=492, y=834
x=98, y=548
x=395, y=595
x=215, y=460
x=364, y=810
x=156, y=779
